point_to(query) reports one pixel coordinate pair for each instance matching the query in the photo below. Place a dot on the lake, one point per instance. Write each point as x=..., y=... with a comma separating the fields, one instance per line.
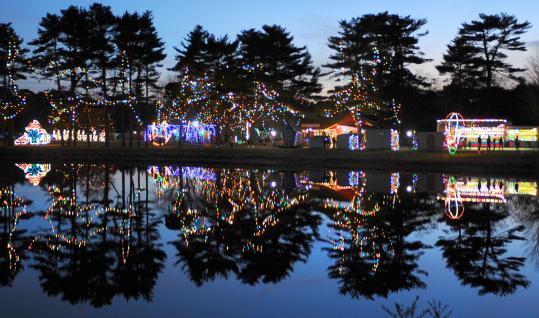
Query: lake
x=154, y=241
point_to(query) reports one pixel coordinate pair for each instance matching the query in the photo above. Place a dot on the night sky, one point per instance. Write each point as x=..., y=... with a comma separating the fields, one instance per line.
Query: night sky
x=311, y=22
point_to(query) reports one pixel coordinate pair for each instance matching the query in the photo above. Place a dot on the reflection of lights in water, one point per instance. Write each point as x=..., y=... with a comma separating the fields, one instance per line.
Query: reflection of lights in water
x=10, y=201
x=34, y=172
x=454, y=209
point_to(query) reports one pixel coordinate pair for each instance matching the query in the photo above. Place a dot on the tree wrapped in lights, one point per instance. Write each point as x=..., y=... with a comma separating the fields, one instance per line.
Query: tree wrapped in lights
x=360, y=96
x=12, y=101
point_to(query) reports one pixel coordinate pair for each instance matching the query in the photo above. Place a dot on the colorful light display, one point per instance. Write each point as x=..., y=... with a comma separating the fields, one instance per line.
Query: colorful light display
x=34, y=135
x=81, y=135
x=395, y=140
x=12, y=106
x=454, y=209
x=192, y=132
x=34, y=172
x=453, y=132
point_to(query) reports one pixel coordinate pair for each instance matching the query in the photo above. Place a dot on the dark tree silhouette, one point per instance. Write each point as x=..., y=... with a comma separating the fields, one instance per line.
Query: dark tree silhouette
x=478, y=253
x=372, y=250
x=492, y=36
x=396, y=37
x=278, y=63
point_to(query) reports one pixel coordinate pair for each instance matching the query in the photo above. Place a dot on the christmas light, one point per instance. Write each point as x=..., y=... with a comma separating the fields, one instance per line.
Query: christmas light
x=10, y=108
x=34, y=135
x=34, y=172
x=192, y=132
x=394, y=142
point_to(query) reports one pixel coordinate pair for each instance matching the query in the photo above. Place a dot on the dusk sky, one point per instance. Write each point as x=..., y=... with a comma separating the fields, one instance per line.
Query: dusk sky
x=311, y=22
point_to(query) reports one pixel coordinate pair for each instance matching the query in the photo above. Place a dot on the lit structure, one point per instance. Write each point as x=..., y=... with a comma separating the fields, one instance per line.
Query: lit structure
x=395, y=139
x=34, y=135
x=331, y=127
x=34, y=172
x=81, y=135
x=192, y=132
x=460, y=132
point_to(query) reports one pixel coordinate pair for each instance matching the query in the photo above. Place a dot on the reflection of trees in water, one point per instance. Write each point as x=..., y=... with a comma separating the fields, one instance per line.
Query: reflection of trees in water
x=477, y=251
x=13, y=240
x=525, y=210
x=252, y=224
x=372, y=246
x=97, y=249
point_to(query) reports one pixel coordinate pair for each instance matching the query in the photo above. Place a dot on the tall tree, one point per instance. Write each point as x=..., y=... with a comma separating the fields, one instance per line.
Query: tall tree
x=395, y=37
x=12, y=56
x=493, y=36
x=152, y=52
x=102, y=24
x=191, y=53
x=280, y=64
x=459, y=62
x=49, y=50
x=12, y=68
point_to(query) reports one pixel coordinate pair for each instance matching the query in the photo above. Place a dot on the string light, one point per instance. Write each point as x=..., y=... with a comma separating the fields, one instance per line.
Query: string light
x=34, y=135
x=12, y=107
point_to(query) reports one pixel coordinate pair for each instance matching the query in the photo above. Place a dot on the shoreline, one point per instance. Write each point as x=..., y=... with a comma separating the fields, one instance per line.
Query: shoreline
x=491, y=163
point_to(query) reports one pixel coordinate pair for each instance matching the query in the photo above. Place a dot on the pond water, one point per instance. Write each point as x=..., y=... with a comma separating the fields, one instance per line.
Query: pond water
x=101, y=240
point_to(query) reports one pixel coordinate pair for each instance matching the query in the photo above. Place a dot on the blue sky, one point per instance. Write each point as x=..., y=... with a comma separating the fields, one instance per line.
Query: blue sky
x=311, y=22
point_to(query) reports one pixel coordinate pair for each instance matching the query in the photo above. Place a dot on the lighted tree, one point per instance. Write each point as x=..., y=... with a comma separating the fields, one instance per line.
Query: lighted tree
x=12, y=68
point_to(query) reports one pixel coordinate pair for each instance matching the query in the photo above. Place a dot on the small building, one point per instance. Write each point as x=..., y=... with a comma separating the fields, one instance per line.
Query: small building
x=470, y=130
x=330, y=128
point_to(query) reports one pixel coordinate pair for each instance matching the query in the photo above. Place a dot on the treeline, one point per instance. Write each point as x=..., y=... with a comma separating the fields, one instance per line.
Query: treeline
x=105, y=73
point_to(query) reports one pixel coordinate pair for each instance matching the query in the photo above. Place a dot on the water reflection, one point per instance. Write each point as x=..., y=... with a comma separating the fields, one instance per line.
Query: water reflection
x=243, y=222
x=97, y=232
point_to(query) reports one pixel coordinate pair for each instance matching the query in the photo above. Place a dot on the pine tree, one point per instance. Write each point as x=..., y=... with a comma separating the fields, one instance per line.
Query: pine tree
x=395, y=37
x=492, y=37
x=278, y=63
x=12, y=68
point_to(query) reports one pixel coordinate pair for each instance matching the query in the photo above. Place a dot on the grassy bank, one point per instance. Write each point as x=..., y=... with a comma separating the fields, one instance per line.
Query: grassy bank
x=492, y=163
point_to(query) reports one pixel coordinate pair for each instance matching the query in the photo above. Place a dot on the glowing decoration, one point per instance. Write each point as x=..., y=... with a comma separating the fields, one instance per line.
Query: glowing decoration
x=159, y=134
x=353, y=142
x=454, y=209
x=453, y=134
x=81, y=135
x=193, y=132
x=466, y=132
x=394, y=183
x=524, y=133
x=34, y=172
x=11, y=107
x=394, y=141
x=34, y=135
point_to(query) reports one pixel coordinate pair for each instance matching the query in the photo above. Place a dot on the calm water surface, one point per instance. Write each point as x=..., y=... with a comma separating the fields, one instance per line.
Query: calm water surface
x=89, y=240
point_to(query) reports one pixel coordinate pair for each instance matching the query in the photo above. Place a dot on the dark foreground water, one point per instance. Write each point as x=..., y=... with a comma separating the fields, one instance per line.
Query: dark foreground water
x=96, y=240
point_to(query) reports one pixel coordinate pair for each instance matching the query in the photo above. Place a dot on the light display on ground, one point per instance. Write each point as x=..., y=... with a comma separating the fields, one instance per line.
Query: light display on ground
x=395, y=141
x=94, y=136
x=453, y=132
x=354, y=142
x=192, y=132
x=34, y=172
x=492, y=134
x=34, y=135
